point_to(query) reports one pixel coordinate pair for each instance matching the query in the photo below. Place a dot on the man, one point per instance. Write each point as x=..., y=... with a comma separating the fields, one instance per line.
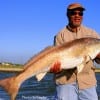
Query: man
x=71, y=85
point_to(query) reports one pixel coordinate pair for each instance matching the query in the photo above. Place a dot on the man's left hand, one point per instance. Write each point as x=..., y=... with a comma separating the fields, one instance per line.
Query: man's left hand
x=97, y=59
x=98, y=56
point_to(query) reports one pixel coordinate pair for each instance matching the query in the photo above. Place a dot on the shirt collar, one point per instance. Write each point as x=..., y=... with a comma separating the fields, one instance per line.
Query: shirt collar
x=70, y=29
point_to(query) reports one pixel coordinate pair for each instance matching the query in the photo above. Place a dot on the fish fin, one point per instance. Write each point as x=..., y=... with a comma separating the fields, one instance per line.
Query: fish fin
x=11, y=85
x=40, y=76
x=80, y=67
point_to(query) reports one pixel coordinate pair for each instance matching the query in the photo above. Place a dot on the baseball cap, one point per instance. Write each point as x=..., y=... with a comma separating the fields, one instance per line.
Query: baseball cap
x=75, y=6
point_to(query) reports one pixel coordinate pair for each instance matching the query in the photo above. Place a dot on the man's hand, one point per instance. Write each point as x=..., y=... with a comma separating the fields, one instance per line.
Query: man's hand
x=98, y=56
x=97, y=59
x=56, y=67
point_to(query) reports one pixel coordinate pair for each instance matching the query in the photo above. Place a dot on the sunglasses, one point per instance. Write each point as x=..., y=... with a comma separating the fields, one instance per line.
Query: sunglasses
x=72, y=13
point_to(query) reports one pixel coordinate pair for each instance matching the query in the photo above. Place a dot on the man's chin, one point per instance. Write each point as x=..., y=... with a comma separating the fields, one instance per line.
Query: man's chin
x=77, y=24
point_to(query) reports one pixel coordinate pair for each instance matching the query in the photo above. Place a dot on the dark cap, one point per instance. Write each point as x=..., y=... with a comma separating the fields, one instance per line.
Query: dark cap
x=75, y=6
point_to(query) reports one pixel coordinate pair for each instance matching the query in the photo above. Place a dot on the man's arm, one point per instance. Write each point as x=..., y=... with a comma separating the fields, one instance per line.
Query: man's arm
x=57, y=41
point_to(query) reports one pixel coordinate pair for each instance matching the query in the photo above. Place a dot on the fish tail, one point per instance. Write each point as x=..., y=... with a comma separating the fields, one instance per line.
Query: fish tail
x=11, y=86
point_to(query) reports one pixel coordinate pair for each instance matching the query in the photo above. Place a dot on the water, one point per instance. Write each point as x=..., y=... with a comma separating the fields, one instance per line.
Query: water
x=33, y=90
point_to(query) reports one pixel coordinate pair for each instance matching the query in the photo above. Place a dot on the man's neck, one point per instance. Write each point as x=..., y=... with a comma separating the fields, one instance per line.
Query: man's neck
x=72, y=28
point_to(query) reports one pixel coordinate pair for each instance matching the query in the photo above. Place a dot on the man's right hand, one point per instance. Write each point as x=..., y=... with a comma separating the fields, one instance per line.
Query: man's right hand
x=56, y=67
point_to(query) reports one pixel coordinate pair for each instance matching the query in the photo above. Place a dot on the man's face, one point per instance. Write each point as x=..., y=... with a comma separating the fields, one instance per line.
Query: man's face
x=75, y=18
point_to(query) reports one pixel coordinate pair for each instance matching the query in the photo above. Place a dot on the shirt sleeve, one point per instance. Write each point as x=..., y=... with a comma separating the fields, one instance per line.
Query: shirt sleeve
x=58, y=39
x=95, y=34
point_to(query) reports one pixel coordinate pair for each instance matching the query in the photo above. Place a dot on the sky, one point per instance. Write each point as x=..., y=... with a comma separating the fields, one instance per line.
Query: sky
x=28, y=26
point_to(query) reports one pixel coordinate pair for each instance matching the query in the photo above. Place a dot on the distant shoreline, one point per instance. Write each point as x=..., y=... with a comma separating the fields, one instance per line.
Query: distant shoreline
x=19, y=68
x=11, y=68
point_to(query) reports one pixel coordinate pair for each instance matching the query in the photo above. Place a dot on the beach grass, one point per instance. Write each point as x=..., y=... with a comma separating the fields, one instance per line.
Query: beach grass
x=11, y=68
